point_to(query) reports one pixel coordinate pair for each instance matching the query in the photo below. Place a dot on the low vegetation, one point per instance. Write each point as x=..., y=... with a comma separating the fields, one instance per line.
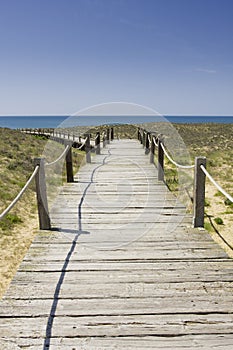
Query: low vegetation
x=17, y=229
x=215, y=142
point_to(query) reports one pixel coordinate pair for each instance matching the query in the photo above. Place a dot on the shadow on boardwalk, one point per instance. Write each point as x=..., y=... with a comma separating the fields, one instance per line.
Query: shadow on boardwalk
x=168, y=289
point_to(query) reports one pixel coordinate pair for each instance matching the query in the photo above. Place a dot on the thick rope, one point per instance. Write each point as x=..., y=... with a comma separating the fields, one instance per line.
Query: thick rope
x=155, y=142
x=216, y=184
x=64, y=152
x=60, y=157
x=19, y=195
x=173, y=162
x=149, y=139
x=82, y=143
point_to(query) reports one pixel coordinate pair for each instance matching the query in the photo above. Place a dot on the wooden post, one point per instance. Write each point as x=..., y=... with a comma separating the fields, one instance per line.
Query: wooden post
x=112, y=134
x=69, y=164
x=41, y=194
x=97, y=142
x=143, y=137
x=139, y=135
x=104, y=140
x=152, y=150
x=160, y=160
x=88, y=148
x=108, y=135
x=199, y=193
x=147, y=143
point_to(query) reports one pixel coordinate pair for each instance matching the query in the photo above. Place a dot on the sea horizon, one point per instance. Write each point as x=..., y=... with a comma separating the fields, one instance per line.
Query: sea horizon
x=54, y=121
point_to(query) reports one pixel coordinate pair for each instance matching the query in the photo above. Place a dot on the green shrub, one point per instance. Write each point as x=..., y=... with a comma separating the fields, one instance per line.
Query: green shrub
x=9, y=220
x=218, y=221
x=228, y=202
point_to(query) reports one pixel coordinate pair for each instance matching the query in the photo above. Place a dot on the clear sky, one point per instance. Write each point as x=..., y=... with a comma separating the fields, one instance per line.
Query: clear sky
x=57, y=56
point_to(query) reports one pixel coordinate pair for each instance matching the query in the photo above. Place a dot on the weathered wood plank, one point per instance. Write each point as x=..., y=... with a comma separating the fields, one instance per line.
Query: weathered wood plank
x=118, y=325
x=35, y=290
x=170, y=307
x=197, y=342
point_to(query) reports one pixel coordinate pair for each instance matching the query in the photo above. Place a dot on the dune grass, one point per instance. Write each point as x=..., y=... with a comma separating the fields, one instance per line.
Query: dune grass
x=215, y=142
x=18, y=228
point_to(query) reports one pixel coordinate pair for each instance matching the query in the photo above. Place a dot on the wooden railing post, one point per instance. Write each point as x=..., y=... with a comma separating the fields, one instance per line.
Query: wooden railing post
x=160, y=159
x=88, y=148
x=199, y=193
x=108, y=135
x=152, y=150
x=69, y=164
x=112, y=134
x=97, y=142
x=41, y=195
x=139, y=138
x=143, y=137
x=147, y=143
x=104, y=139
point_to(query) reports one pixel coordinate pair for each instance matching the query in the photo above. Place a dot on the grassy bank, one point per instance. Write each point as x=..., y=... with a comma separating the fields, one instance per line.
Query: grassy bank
x=18, y=228
x=215, y=142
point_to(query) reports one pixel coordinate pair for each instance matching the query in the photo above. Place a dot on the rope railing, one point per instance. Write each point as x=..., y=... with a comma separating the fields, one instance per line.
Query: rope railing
x=155, y=142
x=149, y=140
x=40, y=179
x=200, y=173
x=19, y=195
x=59, y=158
x=65, y=152
x=83, y=144
x=175, y=163
x=227, y=195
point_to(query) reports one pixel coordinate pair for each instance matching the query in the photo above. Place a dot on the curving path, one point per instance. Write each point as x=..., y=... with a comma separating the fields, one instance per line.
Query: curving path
x=123, y=269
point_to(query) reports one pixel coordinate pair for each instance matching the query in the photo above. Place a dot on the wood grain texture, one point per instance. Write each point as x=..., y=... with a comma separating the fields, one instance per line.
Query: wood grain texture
x=123, y=268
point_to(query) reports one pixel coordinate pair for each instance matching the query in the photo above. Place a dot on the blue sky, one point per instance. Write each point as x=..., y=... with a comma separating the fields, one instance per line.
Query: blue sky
x=58, y=56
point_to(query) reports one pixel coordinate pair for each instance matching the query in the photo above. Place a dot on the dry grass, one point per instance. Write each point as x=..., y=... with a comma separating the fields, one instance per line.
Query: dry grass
x=19, y=227
x=214, y=141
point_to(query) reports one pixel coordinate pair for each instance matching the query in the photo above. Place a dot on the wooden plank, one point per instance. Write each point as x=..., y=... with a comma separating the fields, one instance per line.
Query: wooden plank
x=35, y=289
x=119, y=326
x=108, y=276
x=197, y=342
x=159, y=308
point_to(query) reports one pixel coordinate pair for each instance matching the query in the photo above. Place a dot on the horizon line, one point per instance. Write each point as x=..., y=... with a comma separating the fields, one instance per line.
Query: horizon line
x=70, y=115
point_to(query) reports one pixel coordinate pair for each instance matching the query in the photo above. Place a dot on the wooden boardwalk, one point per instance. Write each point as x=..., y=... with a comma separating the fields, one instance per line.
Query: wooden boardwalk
x=123, y=269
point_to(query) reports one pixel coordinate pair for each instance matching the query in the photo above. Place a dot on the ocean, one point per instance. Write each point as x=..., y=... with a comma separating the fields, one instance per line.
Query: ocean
x=17, y=122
